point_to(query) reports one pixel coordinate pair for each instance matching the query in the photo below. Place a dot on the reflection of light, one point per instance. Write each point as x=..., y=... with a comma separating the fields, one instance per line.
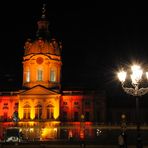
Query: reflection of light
x=82, y=134
x=70, y=133
x=31, y=129
x=98, y=132
x=56, y=110
x=48, y=132
x=31, y=123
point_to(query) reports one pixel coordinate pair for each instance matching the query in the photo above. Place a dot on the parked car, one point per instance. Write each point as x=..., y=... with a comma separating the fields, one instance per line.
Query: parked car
x=12, y=135
x=12, y=139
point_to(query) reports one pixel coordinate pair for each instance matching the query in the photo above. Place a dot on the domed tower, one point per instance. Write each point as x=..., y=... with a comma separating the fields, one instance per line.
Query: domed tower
x=42, y=58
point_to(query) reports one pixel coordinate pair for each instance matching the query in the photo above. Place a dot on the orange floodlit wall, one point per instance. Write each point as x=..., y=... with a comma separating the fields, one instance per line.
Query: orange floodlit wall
x=31, y=103
x=8, y=105
x=70, y=104
x=41, y=69
x=76, y=104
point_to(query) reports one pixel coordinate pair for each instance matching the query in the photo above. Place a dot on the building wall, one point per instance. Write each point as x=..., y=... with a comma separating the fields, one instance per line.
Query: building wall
x=45, y=102
x=42, y=91
x=76, y=105
x=44, y=63
x=8, y=105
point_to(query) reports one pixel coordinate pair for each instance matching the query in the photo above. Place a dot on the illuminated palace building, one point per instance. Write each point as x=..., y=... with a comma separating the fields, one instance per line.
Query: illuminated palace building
x=41, y=110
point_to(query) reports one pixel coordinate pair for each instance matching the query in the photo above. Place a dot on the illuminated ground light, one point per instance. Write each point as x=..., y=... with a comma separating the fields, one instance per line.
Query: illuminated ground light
x=49, y=133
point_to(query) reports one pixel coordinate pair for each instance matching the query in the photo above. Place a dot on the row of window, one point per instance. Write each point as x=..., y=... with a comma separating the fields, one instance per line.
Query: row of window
x=50, y=113
x=38, y=113
x=5, y=106
x=87, y=103
x=40, y=75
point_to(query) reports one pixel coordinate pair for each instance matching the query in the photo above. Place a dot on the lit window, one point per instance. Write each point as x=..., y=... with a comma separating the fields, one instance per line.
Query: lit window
x=28, y=76
x=49, y=112
x=38, y=112
x=26, y=112
x=52, y=75
x=39, y=75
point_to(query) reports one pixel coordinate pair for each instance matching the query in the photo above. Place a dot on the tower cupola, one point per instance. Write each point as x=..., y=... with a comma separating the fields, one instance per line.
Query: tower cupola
x=42, y=58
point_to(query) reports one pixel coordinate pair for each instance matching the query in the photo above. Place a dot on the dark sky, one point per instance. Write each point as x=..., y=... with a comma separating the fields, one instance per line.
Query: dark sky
x=97, y=38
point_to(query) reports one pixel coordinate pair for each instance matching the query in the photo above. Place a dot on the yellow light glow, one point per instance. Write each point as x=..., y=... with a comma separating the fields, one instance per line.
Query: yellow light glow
x=134, y=68
x=137, y=74
x=121, y=75
x=56, y=109
x=20, y=111
x=31, y=123
x=32, y=116
x=49, y=133
x=31, y=129
x=147, y=75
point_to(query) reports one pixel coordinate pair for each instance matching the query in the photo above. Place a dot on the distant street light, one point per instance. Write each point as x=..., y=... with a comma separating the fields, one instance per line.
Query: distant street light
x=123, y=128
x=123, y=123
x=134, y=90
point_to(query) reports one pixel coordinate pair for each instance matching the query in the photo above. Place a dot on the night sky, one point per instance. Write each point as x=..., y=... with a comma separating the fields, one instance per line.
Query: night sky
x=97, y=39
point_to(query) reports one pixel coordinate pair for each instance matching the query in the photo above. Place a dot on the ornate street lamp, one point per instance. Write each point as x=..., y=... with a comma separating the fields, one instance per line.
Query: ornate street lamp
x=136, y=91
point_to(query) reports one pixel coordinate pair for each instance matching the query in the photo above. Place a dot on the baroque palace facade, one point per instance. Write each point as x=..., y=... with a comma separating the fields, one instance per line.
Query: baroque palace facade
x=41, y=110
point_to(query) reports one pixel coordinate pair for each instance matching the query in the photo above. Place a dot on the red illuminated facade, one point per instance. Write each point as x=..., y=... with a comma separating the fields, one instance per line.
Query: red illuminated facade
x=42, y=110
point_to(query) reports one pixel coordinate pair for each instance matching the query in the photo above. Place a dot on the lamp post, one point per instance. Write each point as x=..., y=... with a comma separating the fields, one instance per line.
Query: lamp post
x=123, y=128
x=136, y=91
x=123, y=123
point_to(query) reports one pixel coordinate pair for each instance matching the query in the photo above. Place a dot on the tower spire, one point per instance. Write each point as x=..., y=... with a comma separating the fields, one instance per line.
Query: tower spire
x=43, y=11
x=43, y=24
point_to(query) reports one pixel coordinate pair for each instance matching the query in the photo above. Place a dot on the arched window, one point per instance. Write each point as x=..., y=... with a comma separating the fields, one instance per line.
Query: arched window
x=5, y=106
x=50, y=112
x=28, y=75
x=52, y=75
x=38, y=111
x=26, y=111
x=40, y=74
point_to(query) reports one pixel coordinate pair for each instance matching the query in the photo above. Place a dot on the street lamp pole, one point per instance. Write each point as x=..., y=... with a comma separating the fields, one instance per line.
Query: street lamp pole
x=123, y=128
x=134, y=90
x=139, y=140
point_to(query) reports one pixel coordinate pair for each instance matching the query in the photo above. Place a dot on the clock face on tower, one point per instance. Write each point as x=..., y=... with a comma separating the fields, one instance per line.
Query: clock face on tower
x=39, y=60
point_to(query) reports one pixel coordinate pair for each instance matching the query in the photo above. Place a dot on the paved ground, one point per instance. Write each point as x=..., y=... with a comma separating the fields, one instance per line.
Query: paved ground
x=60, y=146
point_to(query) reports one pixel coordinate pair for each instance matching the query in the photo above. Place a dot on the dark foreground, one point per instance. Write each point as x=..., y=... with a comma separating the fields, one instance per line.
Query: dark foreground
x=65, y=146
x=59, y=144
x=107, y=139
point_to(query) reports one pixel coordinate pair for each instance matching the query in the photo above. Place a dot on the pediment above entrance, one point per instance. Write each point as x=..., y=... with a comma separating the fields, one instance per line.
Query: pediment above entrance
x=38, y=90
